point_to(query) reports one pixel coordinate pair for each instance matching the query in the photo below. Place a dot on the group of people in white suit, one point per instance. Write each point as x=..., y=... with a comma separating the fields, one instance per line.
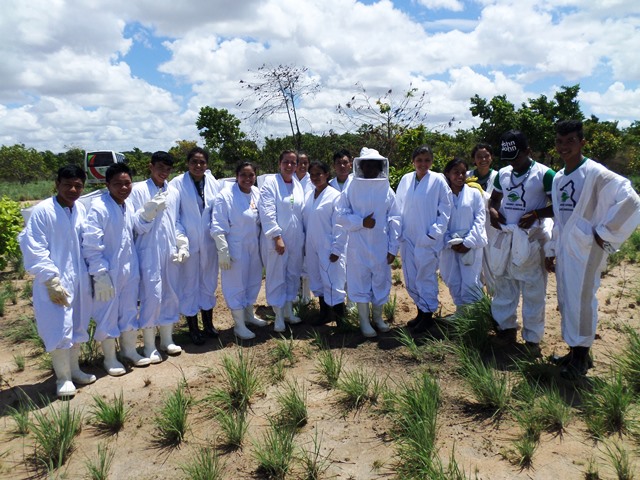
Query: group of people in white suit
x=145, y=253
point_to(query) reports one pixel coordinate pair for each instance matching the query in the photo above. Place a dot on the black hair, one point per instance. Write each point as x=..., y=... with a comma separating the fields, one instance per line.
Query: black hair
x=342, y=153
x=287, y=152
x=453, y=163
x=243, y=164
x=420, y=150
x=162, y=157
x=71, y=171
x=565, y=127
x=117, y=169
x=196, y=150
x=481, y=146
x=321, y=165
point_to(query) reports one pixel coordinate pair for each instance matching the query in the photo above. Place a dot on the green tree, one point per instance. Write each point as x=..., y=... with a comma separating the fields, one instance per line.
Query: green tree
x=18, y=163
x=180, y=151
x=604, y=141
x=139, y=162
x=10, y=225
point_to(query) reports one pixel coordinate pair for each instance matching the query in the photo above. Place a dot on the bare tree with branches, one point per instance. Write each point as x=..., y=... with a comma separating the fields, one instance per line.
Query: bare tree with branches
x=386, y=116
x=278, y=89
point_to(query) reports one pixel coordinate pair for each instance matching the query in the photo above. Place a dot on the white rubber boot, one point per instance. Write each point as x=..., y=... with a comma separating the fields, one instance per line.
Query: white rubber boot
x=128, y=349
x=365, y=325
x=288, y=314
x=111, y=363
x=77, y=375
x=278, y=325
x=149, y=338
x=241, y=330
x=251, y=319
x=61, y=360
x=376, y=313
x=166, y=340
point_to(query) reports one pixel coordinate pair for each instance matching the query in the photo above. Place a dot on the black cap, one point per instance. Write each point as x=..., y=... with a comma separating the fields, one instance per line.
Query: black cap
x=511, y=144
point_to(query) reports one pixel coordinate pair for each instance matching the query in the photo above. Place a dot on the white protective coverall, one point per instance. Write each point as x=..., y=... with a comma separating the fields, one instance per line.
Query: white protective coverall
x=280, y=210
x=51, y=246
x=235, y=214
x=467, y=221
x=198, y=275
x=487, y=185
x=590, y=199
x=324, y=236
x=368, y=274
x=425, y=209
x=155, y=243
x=340, y=186
x=522, y=194
x=305, y=181
x=107, y=246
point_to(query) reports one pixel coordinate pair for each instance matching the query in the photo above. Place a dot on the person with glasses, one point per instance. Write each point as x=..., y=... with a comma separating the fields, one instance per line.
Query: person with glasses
x=198, y=273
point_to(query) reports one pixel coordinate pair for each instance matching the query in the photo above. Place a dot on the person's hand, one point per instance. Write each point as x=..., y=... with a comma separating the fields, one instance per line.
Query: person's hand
x=550, y=264
x=390, y=258
x=57, y=293
x=153, y=207
x=224, y=257
x=333, y=258
x=528, y=219
x=460, y=248
x=182, y=244
x=369, y=221
x=279, y=245
x=103, y=290
x=496, y=219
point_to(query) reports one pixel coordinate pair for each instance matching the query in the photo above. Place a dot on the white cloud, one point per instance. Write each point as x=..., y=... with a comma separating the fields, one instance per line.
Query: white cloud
x=65, y=80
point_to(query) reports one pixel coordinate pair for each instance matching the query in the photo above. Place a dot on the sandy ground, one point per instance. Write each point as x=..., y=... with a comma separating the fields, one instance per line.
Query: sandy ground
x=357, y=443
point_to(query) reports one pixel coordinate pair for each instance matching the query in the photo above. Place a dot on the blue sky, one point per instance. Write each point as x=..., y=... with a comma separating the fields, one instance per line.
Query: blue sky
x=122, y=74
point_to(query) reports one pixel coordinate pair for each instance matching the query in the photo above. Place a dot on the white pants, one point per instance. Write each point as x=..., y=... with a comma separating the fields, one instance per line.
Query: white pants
x=462, y=280
x=419, y=265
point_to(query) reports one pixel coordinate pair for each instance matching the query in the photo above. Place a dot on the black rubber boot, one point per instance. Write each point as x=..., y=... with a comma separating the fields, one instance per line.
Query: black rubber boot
x=425, y=324
x=339, y=314
x=415, y=321
x=325, y=312
x=578, y=365
x=197, y=338
x=207, y=323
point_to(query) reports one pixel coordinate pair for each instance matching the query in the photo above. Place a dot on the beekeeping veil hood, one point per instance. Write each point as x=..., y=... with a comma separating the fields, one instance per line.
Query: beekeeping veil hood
x=369, y=195
x=367, y=157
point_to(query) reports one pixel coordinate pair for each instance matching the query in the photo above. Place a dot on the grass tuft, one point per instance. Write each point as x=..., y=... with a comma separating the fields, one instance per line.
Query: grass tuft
x=275, y=452
x=472, y=324
x=283, y=350
x=171, y=420
x=240, y=382
x=293, y=408
x=98, y=468
x=355, y=387
x=54, y=431
x=203, y=465
x=234, y=425
x=608, y=407
x=314, y=464
x=389, y=309
x=109, y=417
x=329, y=367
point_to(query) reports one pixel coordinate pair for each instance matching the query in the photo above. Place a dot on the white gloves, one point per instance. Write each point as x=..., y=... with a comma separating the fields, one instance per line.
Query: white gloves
x=153, y=207
x=224, y=258
x=103, y=290
x=182, y=244
x=57, y=293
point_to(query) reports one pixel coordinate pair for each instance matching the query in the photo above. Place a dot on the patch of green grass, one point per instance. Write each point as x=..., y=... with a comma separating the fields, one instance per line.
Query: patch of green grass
x=314, y=464
x=20, y=415
x=524, y=448
x=24, y=330
x=276, y=371
x=283, y=350
x=628, y=360
x=275, y=453
x=234, y=425
x=620, y=461
x=29, y=191
x=355, y=388
x=293, y=406
x=389, y=309
x=11, y=292
x=171, y=419
x=205, y=464
x=98, y=468
x=472, y=324
x=414, y=417
x=490, y=388
x=591, y=473
x=406, y=339
x=18, y=359
x=629, y=251
x=27, y=290
x=553, y=412
x=109, y=417
x=329, y=367
x=608, y=407
x=240, y=379
x=54, y=431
